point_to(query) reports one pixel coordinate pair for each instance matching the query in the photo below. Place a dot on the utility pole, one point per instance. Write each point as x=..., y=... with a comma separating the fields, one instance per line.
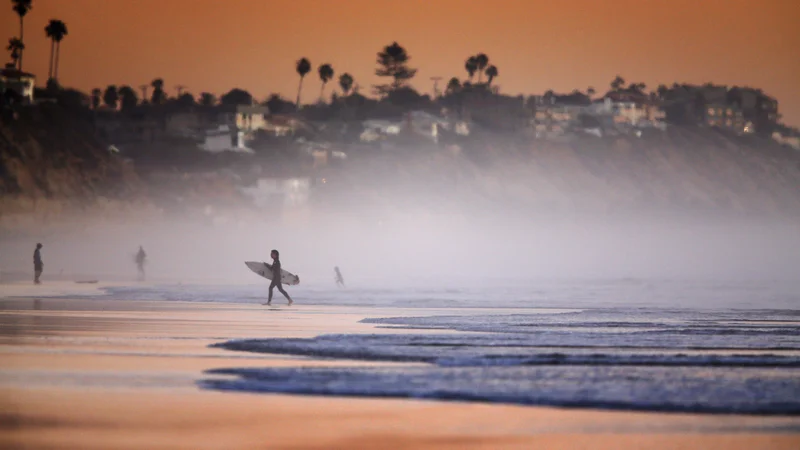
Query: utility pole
x=436, y=92
x=144, y=88
x=180, y=89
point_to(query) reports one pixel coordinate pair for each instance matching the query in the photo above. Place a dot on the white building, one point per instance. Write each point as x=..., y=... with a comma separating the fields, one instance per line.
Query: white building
x=20, y=82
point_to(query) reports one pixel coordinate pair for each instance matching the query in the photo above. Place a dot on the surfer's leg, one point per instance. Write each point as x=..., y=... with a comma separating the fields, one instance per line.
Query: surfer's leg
x=271, y=287
x=285, y=294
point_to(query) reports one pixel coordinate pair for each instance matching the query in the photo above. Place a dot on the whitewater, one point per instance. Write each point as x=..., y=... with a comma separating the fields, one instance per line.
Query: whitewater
x=705, y=346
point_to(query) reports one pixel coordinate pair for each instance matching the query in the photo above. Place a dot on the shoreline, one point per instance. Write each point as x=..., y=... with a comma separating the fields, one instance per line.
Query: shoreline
x=122, y=374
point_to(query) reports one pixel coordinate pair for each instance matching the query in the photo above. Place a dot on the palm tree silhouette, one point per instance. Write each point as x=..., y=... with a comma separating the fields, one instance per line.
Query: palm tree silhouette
x=346, y=83
x=158, y=92
x=325, y=74
x=55, y=30
x=15, y=46
x=491, y=73
x=303, y=66
x=483, y=61
x=472, y=66
x=21, y=7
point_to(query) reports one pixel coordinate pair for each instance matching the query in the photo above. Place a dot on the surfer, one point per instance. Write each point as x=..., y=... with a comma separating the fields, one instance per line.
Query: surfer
x=276, y=277
x=339, y=278
x=38, y=265
x=140, y=258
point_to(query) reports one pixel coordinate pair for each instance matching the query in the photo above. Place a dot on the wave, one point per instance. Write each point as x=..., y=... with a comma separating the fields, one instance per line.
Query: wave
x=698, y=390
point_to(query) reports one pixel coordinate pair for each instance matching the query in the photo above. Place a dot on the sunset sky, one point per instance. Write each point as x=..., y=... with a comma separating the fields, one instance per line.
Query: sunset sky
x=213, y=45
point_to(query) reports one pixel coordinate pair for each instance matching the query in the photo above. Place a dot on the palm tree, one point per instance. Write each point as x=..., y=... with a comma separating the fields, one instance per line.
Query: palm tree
x=491, y=73
x=96, y=93
x=303, y=66
x=590, y=92
x=325, y=74
x=472, y=66
x=207, y=99
x=55, y=30
x=482, y=60
x=180, y=88
x=159, y=96
x=21, y=7
x=15, y=46
x=346, y=83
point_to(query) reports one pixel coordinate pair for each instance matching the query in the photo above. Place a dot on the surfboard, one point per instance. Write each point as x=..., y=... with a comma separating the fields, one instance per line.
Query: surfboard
x=265, y=270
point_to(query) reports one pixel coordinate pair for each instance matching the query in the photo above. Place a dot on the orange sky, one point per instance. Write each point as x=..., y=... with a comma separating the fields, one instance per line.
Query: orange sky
x=214, y=45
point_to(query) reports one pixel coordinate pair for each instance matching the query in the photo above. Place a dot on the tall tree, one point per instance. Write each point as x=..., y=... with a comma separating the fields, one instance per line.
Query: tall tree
x=128, y=98
x=185, y=100
x=453, y=86
x=236, y=96
x=207, y=99
x=618, y=83
x=346, y=83
x=491, y=74
x=159, y=97
x=55, y=30
x=96, y=94
x=302, y=66
x=15, y=46
x=663, y=91
x=111, y=96
x=393, y=63
x=21, y=7
x=471, y=65
x=482, y=60
x=325, y=74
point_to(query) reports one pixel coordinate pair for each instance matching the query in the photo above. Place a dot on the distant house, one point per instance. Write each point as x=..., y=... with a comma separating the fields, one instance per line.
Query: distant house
x=245, y=117
x=632, y=109
x=731, y=117
x=224, y=138
x=20, y=83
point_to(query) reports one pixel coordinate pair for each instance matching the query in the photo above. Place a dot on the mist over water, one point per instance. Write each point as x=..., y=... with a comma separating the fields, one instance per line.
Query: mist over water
x=416, y=250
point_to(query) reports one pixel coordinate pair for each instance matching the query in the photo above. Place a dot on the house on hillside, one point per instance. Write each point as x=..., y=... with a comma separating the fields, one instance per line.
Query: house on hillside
x=244, y=117
x=631, y=109
x=727, y=116
x=18, y=84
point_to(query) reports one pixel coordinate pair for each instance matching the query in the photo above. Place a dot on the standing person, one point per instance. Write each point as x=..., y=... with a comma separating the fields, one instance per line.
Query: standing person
x=141, y=256
x=276, y=277
x=339, y=278
x=38, y=265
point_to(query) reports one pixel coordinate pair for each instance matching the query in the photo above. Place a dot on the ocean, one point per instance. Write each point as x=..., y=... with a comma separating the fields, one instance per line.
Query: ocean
x=704, y=346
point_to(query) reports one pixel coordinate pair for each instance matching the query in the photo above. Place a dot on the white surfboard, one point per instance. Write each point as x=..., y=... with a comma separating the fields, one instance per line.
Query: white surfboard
x=265, y=270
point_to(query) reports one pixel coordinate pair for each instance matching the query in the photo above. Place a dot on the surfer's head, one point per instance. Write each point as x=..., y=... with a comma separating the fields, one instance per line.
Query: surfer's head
x=274, y=254
x=38, y=245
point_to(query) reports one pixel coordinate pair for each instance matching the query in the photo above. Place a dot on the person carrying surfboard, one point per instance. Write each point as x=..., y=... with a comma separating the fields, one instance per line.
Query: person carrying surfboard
x=339, y=278
x=276, y=277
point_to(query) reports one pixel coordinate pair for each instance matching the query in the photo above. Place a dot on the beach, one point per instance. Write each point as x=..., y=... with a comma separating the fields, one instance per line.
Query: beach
x=97, y=373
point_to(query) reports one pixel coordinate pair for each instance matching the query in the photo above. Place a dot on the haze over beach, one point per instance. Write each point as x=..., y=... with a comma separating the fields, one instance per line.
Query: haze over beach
x=506, y=225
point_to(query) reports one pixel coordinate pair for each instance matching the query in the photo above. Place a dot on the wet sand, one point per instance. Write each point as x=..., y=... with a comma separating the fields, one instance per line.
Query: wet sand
x=97, y=374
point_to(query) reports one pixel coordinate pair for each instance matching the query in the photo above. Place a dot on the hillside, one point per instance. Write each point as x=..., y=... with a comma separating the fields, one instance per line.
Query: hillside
x=53, y=169
x=51, y=162
x=686, y=170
